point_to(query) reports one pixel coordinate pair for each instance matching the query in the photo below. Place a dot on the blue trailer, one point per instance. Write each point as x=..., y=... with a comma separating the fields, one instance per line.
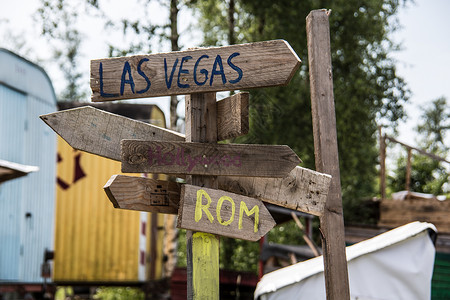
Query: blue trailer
x=27, y=204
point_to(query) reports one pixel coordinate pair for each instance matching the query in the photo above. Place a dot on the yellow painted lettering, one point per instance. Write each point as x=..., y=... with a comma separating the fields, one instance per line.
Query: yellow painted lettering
x=199, y=206
x=219, y=208
x=254, y=210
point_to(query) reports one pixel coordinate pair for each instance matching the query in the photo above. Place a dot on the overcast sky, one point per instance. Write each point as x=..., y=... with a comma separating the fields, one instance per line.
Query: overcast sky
x=424, y=61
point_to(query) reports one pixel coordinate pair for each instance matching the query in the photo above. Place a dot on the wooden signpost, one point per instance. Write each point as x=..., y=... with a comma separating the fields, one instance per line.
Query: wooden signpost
x=225, y=183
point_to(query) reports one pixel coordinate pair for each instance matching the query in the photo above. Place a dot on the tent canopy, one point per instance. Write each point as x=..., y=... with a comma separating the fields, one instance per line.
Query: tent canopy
x=397, y=264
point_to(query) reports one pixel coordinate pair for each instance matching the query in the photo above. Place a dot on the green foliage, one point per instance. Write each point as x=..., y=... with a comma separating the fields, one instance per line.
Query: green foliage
x=434, y=126
x=427, y=175
x=119, y=293
x=239, y=255
x=58, y=19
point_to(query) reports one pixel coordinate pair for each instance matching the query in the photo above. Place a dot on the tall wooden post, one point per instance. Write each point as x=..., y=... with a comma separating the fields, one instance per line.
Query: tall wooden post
x=202, y=248
x=408, y=171
x=382, y=164
x=326, y=153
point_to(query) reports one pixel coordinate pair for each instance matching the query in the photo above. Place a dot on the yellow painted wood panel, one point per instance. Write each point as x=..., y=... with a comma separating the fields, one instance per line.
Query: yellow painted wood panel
x=93, y=241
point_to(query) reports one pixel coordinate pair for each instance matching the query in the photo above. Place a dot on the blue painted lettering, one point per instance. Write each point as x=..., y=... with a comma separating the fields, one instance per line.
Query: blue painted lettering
x=183, y=71
x=234, y=67
x=102, y=92
x=202, y=71
x=217, y=62
x=123, y=81
x=140, y=72
x=169, y=81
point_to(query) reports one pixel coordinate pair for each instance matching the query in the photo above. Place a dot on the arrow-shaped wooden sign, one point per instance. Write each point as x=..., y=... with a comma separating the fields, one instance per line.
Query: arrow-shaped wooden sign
x=235, y=67
x=207, y=159
x=143, y=194
x=99, y=132
x=223, y=213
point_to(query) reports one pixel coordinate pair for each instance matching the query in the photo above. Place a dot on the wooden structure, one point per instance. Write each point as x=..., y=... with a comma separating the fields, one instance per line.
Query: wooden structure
x=199, y=74
x=326, y=153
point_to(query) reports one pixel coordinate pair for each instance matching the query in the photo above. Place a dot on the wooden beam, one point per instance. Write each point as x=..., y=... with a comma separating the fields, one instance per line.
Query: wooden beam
x=326, y=153
x=303, y=189
x=431, y=155
x=382, y=164
x=202, y=248
x=408, y=171
x=188, y=158
x=235, y=67
x=232, y=116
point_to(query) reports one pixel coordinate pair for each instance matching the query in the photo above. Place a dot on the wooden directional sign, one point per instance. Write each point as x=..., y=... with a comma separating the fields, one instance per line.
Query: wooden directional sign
x=143, y=194
x=223, y=213
x=207, y=159
x=302, y=189
x=99, y=132
x=245, y=66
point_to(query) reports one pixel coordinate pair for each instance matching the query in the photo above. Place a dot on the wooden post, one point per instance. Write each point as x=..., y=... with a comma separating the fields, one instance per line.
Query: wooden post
x=202, y=248
x=326, y=153
x=408, y=170
x=382, y=164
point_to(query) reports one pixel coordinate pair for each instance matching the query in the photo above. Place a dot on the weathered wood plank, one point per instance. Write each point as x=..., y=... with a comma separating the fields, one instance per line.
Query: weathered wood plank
x=303, y=189
x=207, y=159
x=200, y=70
x=143, y=194
x=326, y=153
x=223, y=213
x=99, y=132
x=232, y=116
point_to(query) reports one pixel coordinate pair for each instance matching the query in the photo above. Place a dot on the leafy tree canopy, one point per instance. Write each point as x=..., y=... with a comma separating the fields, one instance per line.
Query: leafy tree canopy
x=366, y=86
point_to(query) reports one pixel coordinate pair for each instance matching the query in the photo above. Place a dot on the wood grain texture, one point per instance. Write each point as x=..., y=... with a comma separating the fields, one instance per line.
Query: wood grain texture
x=232, y=116
x=394, y=213
x=200, y=70
x=99, y=132
x=143, y=194
x=205, y=252
x=201, y=126
x=303, y=189
x=223, y=213
x=207, y=159
x=326, y=153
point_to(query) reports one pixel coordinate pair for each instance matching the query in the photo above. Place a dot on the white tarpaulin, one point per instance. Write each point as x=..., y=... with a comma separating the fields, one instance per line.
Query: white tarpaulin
x=395, y=265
